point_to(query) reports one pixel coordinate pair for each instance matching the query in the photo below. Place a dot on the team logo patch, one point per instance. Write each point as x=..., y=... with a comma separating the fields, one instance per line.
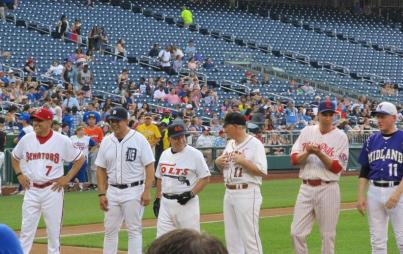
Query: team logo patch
x=131, y=154
x=343, y=157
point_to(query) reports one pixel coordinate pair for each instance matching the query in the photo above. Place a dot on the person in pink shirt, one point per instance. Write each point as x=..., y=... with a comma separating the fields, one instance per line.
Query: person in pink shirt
x=172, y=97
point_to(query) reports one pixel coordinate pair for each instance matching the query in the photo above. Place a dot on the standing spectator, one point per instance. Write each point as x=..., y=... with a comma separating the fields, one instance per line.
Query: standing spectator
x=75, y=32
x=70, y=100
x=322, y=153
x=120, y=50
x=177, y=65
x=96, y=133
x=165, y=60
x=77, y=119
x=30, y=67
x=187, y=17
x=190, y=50
x=85, y=79
x=62, y=26
x=67, y=75
x=56, y=110
x=205, y=140
x=243, y=164
x=150, y=131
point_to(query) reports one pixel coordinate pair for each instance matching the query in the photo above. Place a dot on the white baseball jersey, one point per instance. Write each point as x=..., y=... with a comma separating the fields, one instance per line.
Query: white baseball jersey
x=334, y=144
x=82, y=143
x=125, y=161
x=27, y=129
x=254, y=151
x=44, y=162
x=180, y=171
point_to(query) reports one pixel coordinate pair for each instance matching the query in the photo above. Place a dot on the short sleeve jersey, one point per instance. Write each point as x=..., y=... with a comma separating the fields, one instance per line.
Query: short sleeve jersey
x=44, y=162
x=334, y=144
x=254, y=151
x=125, y=161
x=180, y=171
x=384, y=156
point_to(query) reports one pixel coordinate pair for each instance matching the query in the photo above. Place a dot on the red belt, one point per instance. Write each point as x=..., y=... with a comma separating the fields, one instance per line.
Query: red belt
x=42, y=185
x=315, y=182
x=237, y=186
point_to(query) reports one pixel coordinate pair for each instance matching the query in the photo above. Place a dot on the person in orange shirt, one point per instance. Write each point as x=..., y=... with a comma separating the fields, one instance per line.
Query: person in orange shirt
x=95, y=132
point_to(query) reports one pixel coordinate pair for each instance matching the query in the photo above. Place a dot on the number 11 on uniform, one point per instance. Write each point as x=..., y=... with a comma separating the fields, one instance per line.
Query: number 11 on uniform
x=392, y=169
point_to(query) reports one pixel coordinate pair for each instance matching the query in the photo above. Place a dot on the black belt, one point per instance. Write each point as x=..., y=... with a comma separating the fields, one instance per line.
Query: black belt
x=385, y=184
x=171, y=196
x=125, y=186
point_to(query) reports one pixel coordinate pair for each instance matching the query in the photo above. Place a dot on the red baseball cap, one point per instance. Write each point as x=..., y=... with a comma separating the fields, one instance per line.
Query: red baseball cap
x=43, y=114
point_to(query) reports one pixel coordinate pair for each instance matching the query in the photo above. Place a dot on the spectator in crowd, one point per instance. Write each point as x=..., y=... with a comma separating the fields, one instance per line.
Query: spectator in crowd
x=55, y=70
x=209, y=64
x=175, y=52
x=54, y=107
x=95, y=132
x=291, y=113
x=155, y=50
x=75, y=32
x=70, y=100
x=150, y=131
x=190, y=50
x=220, y=140
x=160, y=94
x=120, y=50
x=193, y=64
x=172, y=97
x=30, y=67
x=186, y=241
x=85, y=79
x=205, y=140
x=77, y=119
x=187, y=17
x=62, y=26
x=177, y=65
x=165, y=59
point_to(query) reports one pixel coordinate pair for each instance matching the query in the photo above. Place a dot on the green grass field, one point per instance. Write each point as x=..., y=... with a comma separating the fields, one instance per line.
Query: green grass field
x=82, y=207
x=352, y=236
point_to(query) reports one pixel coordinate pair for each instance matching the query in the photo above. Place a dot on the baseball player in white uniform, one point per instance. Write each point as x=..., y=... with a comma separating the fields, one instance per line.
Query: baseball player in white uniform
x=181, y=174
x=243, y=163
x=44, y=152
x=381, y=162
x=125, y=174
x=322, y=153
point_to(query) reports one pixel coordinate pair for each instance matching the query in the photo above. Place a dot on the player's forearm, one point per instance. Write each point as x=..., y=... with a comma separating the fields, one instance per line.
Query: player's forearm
x=76, y=167
x=101, y=180
x=400, y=187
x=299, y=158
x=158, y=193
x=325, y=160
x=149, y=177
x=362, y=187
x=200, y=185
x=251, y=167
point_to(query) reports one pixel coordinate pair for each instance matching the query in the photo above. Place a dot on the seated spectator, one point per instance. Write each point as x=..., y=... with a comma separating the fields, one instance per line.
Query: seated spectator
x=56, y=69
x=186, y=241
x=190, y=50
x=154, y=51
x=159, y=94
x=187, y=17
x=210, y=98
x=220, y=140
x=120, y=50
x=123, y=79
x=175, y=51
x=177, y=65
x=62, y=26
x=172, y=97
x=30, y=67
x=208, y=64
x=266, y=79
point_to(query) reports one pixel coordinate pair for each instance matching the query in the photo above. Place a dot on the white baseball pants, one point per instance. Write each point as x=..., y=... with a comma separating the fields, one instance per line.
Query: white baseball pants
x=321, y=203
x=50, y=204
x=241, y=220
x=123, y=205
x=173, y=215
x=378, y=219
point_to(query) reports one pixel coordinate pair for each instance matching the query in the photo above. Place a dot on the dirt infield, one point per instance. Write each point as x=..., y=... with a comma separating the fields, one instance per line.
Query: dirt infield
x=98, y=228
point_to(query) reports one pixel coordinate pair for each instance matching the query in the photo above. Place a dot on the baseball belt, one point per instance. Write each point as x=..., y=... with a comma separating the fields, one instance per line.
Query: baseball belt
x=125, y=186
x=385, y=184
x=315, y=182
x=42, y=185
x=171, y=196
x=239, y=186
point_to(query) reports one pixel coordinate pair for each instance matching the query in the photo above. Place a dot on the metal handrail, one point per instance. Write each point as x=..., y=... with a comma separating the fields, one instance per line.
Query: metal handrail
x=19, y=70
x=247, y=88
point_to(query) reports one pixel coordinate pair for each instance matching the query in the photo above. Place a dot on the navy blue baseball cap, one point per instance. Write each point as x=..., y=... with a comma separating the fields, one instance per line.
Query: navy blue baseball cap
x=176, y=130
x=327, y=106
x=24, y=117
x=118, y=113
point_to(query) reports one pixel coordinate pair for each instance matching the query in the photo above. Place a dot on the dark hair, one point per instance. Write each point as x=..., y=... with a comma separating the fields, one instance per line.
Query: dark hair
x=186, y=241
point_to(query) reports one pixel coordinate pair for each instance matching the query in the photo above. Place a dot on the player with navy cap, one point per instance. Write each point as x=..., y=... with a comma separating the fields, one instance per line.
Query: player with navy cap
x=381, y=159
x=181, y=174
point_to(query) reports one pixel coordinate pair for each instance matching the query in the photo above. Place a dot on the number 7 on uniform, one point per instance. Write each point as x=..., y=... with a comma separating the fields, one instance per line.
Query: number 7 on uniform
x=49, y=168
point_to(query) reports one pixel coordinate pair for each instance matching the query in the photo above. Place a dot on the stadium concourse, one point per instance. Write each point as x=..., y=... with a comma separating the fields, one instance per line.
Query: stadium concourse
x=273, y=63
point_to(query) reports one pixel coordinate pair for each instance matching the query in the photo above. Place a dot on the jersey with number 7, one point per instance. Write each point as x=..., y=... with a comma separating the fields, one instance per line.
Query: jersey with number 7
x=44, y=162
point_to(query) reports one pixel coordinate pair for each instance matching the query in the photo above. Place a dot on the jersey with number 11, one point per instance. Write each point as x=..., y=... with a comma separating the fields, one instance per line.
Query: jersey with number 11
x=253, y=150
x=44, y=162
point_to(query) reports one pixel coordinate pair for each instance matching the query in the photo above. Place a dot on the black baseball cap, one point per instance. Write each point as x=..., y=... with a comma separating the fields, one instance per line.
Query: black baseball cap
x=176, y=130
x=234, y=118
x=118, y=113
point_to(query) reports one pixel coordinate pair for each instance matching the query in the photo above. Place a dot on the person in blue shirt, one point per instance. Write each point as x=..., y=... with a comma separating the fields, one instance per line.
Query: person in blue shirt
x=9, y=243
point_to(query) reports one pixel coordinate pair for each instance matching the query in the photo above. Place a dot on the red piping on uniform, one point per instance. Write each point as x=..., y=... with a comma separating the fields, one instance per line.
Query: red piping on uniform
x=335, y=167
x=42, y=140
x=294, y=159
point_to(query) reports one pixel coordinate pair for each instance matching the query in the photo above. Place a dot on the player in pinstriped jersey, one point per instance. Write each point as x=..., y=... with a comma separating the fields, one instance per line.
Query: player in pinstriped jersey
x=243, y=163
x=321, y=151
x=381, y=162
